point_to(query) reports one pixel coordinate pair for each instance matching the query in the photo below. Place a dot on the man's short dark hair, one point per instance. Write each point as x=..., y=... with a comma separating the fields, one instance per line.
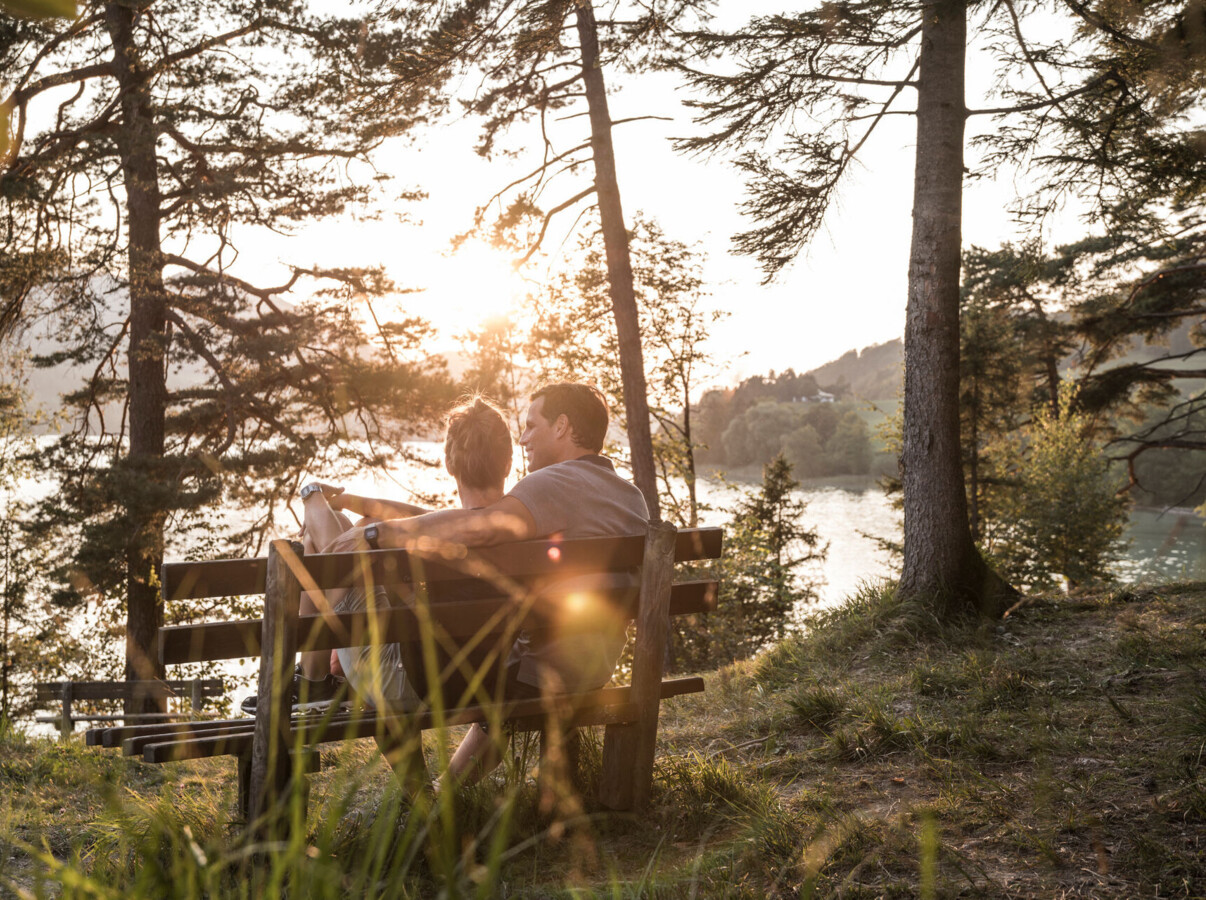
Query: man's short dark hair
x=583, y=405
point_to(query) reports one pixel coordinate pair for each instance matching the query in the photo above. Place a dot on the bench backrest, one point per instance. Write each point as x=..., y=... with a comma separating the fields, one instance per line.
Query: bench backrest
x=526, y=567
x=235, y=577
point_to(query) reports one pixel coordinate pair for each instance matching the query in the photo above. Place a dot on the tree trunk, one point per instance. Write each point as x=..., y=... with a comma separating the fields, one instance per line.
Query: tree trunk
x=148, y=388
x=619, y=266
x=973, y=467
x=691, y=477
x=1050, y=357
x=940, y=561
x=8, y=612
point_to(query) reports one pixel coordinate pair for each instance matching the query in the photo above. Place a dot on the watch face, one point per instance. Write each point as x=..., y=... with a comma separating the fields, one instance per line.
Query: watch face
x=371, y=534
x=308, y=490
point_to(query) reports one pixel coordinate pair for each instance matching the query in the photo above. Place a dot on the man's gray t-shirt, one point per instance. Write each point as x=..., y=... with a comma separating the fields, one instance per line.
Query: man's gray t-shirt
x=579, y=498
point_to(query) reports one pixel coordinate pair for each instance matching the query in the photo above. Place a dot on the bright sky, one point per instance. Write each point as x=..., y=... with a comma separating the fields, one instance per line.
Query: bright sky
x=847, y=290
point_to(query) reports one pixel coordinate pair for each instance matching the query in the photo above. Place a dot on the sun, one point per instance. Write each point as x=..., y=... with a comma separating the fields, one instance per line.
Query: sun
x=471, y=285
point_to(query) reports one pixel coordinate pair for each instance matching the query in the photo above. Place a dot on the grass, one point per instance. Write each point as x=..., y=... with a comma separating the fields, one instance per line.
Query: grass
x=1061, y=752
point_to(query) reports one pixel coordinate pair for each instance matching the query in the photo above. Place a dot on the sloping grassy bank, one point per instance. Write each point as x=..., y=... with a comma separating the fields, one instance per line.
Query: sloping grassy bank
x=1061, y=753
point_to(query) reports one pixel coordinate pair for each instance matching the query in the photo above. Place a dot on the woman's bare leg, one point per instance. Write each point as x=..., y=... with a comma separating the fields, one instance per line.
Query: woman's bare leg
x=476, y=756
x=321, y=525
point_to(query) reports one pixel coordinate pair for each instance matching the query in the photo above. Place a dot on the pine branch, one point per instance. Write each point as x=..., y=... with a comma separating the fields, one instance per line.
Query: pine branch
x=215, y=365
x=544, y=227
x=1045, y=103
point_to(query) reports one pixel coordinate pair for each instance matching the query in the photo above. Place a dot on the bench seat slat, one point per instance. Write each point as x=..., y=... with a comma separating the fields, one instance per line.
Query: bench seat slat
x=236, y=577
x=115, y=717
x=460, y=619
x=113, y=735
x=603, y=706
x=51, y=691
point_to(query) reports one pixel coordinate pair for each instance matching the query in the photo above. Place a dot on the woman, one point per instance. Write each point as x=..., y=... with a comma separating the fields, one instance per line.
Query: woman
x=478, y=454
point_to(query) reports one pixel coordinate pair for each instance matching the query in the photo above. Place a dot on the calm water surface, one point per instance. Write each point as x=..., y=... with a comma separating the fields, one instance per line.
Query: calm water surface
x=847, y=520
x=848, y=517
x=1169, y=545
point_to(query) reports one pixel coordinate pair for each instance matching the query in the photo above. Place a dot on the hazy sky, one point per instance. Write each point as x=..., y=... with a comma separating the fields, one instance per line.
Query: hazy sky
x=847, y=290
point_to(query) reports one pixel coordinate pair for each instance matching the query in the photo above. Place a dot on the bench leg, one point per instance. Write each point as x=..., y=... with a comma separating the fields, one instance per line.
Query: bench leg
x=66, y=723
x=573, y=757
x=560, y=771
x=271, y=769
x=628, y=750
x=310, y=761
x=244, y=762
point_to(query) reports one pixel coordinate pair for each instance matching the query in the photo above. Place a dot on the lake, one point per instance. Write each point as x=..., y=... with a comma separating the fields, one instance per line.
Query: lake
x=848, y=516
x=1162, y=545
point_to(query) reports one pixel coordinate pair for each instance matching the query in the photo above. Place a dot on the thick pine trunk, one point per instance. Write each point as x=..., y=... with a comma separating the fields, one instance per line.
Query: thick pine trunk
x=147, y=388
x=940, y=561
x=619, y=266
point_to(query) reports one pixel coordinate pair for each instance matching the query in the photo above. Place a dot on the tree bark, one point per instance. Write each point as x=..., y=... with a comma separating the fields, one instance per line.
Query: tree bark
x=619, y=265
x=941, y=564
x=973, y=467
x=148, y=389
x=692, y=478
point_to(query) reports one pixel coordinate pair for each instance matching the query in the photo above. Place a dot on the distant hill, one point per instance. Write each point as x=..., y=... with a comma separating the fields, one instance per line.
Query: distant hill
x=874, y=373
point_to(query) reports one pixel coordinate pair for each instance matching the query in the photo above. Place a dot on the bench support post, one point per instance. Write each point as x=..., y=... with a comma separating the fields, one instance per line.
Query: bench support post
x=628, y=750
x=270, y=765
x=243, y=761
x=66, y=724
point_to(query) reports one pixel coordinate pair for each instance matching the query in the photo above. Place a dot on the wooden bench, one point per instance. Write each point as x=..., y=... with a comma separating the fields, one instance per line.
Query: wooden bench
x=66, y=693
x=522, y=581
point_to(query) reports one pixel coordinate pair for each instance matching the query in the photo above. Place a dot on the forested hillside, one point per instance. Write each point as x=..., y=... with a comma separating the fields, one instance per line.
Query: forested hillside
x=825, y=422
x=873, y=373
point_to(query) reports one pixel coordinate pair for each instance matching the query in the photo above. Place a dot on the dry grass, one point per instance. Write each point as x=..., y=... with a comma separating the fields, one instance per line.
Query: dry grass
x=1059, y=754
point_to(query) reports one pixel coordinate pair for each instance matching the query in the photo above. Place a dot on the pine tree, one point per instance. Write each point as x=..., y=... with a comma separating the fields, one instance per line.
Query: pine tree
x=762, y=585
x=152, y=139
x=16, y=613
x=1111, y=294
x=804, y=92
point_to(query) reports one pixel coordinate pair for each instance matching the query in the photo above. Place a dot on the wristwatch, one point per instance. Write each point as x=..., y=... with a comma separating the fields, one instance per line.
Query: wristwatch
x=311, y=488
x=371, y=534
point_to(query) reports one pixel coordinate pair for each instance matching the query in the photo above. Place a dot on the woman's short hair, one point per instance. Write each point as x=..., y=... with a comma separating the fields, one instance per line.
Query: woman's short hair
x=477, y=444
x=583, y=405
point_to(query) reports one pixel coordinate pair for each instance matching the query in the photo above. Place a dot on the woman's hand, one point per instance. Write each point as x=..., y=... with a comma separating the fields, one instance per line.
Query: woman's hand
x=331, y=493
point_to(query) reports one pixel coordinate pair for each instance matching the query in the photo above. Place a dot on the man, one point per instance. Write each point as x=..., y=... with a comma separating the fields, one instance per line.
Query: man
x=573, y=492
